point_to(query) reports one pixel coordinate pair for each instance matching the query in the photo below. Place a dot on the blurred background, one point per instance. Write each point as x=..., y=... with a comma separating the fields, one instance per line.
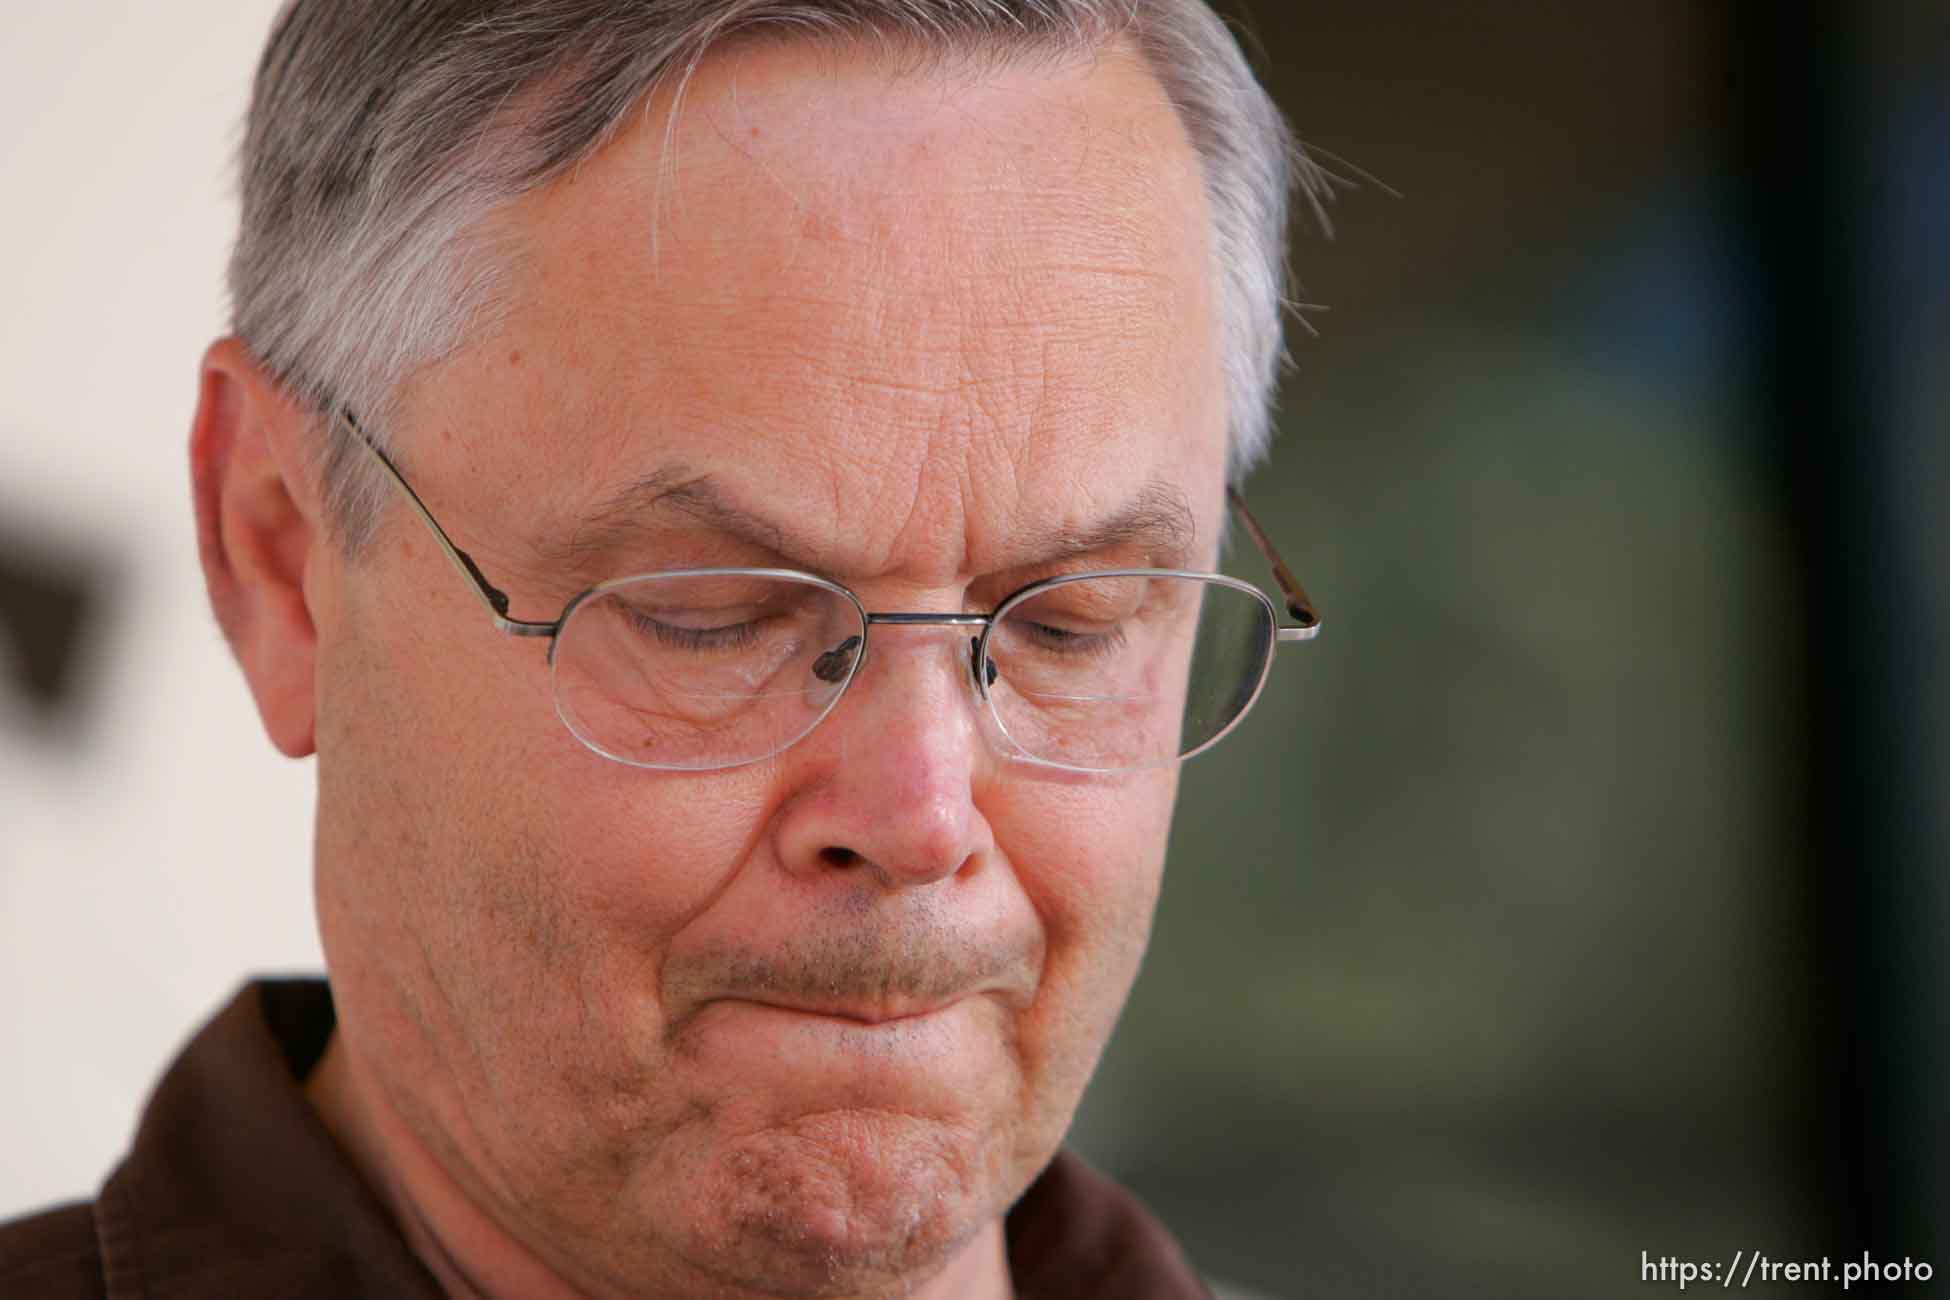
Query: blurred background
x=1581, y=893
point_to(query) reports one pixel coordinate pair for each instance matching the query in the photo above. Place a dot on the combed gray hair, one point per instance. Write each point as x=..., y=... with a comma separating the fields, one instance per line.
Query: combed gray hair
x=382, y=134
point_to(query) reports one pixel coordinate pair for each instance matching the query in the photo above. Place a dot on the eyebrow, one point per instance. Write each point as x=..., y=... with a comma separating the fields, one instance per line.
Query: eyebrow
x=1157, y=519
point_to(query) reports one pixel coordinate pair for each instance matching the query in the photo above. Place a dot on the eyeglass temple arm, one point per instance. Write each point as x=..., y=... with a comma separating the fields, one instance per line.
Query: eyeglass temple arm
x=1297, y=602
x=492, y=596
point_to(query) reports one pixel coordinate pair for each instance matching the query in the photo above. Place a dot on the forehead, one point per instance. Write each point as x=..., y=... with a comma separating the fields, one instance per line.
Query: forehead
x=918, y=313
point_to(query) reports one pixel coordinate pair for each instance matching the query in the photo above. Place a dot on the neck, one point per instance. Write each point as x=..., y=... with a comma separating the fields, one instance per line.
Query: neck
x=473, y=1258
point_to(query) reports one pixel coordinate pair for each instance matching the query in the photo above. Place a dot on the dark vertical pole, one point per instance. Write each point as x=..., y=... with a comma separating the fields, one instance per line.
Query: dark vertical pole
x=1804, y=154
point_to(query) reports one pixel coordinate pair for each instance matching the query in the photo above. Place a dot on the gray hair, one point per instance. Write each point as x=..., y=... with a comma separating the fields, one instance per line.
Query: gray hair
x=381, y=135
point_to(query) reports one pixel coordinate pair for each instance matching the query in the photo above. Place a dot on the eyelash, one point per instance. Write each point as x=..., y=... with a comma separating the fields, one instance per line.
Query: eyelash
x=733, y=636
x=1079, y=645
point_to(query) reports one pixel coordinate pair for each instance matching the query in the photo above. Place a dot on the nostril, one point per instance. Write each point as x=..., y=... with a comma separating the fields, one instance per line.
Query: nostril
x=835, y=856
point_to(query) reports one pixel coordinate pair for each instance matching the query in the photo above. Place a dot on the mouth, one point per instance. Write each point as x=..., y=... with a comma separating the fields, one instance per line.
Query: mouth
x=891, y=1011
x=919, y=1050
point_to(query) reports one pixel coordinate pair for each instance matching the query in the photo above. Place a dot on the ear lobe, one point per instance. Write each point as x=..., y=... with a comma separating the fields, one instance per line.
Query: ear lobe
x=257, y=530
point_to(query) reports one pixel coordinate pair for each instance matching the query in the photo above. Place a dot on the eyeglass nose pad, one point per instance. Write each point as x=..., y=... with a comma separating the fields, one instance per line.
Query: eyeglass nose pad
x=975, y=664
x=835, y=664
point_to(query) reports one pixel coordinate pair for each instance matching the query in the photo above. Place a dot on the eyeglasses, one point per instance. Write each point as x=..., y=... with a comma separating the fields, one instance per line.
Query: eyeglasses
x=702, y=669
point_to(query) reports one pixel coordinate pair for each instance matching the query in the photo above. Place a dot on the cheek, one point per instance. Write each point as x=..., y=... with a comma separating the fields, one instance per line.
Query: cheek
x=1090, y=857
x=497, y=901
x=1091, y=851
x=490, y=794
x=479, y=870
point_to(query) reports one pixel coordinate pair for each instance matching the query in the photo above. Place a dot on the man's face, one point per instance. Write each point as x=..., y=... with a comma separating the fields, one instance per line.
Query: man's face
x=816, y=1021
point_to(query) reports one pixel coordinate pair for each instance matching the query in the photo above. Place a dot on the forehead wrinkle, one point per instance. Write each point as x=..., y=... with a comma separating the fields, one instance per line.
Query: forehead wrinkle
x=1157, y=518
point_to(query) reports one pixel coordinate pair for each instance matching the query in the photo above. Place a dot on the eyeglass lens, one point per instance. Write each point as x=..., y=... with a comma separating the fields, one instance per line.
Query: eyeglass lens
x=1099, y=673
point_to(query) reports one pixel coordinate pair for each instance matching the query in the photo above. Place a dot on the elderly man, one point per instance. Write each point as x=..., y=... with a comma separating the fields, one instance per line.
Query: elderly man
x=728, y=490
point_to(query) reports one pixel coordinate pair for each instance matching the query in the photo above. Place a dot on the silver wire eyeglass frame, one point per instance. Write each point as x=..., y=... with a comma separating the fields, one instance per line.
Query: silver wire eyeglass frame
x=1306, y=625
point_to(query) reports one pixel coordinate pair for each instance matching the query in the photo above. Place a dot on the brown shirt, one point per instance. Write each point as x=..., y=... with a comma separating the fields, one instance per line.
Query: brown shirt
x=234, y=1189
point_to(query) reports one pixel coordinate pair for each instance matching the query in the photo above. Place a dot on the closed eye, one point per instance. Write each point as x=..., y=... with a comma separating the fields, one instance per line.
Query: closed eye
x=1071, y=642
x=727, y=637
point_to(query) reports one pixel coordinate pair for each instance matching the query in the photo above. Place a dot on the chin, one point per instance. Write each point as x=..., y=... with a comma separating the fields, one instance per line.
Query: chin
x=846, y=1202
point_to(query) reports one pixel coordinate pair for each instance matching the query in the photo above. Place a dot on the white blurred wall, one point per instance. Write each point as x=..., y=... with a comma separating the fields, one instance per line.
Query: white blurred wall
x=152, y=860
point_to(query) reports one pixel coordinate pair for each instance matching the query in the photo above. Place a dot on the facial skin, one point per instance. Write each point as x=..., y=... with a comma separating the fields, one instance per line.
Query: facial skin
x=807, y=1026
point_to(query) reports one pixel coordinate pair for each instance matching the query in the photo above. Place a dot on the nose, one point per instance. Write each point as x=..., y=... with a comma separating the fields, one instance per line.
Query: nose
x=888, y=783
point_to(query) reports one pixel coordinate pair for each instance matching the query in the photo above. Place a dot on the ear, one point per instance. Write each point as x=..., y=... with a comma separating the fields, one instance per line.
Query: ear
x=257, y=525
